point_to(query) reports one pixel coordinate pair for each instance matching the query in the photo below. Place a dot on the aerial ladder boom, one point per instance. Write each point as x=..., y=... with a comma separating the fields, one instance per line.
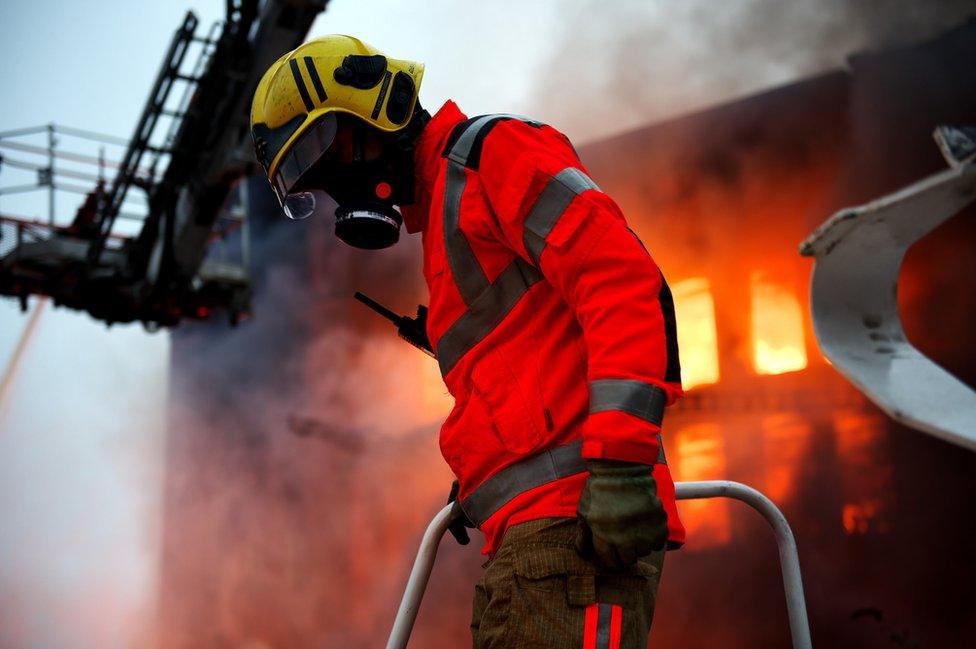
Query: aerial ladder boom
x=188, y=158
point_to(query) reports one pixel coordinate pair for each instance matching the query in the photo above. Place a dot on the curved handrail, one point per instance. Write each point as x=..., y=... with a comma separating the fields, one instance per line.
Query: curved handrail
x=423, y=564
x=788, y=557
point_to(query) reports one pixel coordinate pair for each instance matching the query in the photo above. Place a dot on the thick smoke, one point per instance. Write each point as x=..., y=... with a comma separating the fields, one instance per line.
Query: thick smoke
x=629, y=63
x=303, y=460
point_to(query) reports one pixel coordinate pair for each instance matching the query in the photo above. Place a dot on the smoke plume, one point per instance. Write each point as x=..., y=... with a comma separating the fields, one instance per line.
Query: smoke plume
x=623, y=64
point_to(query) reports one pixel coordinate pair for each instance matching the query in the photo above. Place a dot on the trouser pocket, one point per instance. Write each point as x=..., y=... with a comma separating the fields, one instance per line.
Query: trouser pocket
x=551, y=598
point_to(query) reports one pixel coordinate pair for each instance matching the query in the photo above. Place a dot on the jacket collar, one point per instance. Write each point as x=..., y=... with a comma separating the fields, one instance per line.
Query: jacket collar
x=427, y=157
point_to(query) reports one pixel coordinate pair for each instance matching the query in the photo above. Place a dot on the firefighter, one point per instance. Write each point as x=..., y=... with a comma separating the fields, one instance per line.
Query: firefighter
x=553, y=328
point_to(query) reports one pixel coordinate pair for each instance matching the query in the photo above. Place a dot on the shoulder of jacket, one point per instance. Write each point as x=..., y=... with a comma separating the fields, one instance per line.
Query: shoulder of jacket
x=519, y=135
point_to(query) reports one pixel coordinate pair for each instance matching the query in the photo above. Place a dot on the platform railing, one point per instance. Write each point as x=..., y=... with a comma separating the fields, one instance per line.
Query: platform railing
x=788, y=558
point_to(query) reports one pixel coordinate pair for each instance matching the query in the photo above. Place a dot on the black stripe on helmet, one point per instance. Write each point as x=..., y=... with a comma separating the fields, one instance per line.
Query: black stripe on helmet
x=300, y=83
x=380, y=97
x=313, y=74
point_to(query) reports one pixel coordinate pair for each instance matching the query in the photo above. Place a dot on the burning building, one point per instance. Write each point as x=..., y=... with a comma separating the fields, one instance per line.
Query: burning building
x=303, y=460
x=721, y=198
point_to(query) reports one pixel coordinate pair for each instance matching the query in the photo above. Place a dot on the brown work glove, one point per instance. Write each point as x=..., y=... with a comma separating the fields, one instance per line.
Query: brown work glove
x=620, y=515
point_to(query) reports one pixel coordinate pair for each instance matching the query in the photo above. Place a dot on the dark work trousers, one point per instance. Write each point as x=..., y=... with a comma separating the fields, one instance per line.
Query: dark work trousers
x=538, y=593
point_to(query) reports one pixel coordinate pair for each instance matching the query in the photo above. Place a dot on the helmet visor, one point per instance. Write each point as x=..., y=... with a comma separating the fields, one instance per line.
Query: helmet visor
x=302, y=156
x=301, y=205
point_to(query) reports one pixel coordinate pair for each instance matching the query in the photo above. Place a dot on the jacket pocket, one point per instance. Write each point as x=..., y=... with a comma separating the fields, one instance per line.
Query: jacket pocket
x=509, y=399
x=468, y=436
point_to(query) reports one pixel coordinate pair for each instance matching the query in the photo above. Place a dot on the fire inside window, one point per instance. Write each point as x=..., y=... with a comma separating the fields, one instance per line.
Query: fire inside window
x=777, y=328
x=697, y=338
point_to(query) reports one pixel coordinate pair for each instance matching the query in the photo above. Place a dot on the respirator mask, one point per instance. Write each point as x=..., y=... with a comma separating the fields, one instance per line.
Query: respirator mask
x=343, y=167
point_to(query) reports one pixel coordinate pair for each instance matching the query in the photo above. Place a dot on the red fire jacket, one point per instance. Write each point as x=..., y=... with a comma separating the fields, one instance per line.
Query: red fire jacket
x=550, y=320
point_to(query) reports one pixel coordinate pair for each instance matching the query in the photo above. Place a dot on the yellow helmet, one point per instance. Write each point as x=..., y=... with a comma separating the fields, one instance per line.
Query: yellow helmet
x=332, y=74
x=334, y=123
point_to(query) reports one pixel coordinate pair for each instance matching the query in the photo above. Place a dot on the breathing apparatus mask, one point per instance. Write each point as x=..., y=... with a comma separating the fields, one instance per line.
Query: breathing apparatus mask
x=343, y=167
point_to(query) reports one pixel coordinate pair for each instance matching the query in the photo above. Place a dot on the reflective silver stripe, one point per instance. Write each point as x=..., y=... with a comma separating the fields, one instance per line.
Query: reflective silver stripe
x=485, y=313
x=637, y=398
x=467, y=272
x=488, y=303
x=532, y=472
x=555, y=197
x=518, y=478
x=462, y=148
x=604, y=615
x=660, y=450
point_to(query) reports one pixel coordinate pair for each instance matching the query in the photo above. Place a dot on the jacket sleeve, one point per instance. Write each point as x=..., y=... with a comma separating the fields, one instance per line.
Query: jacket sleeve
x=550, y=213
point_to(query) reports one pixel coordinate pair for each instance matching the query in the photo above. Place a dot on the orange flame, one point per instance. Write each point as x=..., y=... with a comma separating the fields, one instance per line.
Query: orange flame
x=697, y=338
x=777, y=329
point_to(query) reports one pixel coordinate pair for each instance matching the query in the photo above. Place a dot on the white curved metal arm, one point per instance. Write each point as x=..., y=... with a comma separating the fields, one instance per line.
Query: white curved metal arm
x=788, y=557
x=853, y=299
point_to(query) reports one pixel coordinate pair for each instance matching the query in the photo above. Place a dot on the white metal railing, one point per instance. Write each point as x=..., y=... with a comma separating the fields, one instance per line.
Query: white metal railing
x=788, y=558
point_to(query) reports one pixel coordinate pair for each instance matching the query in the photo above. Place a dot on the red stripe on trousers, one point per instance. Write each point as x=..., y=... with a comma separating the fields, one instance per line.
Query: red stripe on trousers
x=616, y=618
x=589, y=627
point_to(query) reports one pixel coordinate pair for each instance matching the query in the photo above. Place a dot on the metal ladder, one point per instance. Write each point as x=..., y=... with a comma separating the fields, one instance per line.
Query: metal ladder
x=788, y=558
x=171, y=71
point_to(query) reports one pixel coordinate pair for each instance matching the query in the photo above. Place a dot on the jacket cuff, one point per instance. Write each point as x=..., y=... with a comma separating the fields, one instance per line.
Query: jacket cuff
x=635, y=452
x=616, y=435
